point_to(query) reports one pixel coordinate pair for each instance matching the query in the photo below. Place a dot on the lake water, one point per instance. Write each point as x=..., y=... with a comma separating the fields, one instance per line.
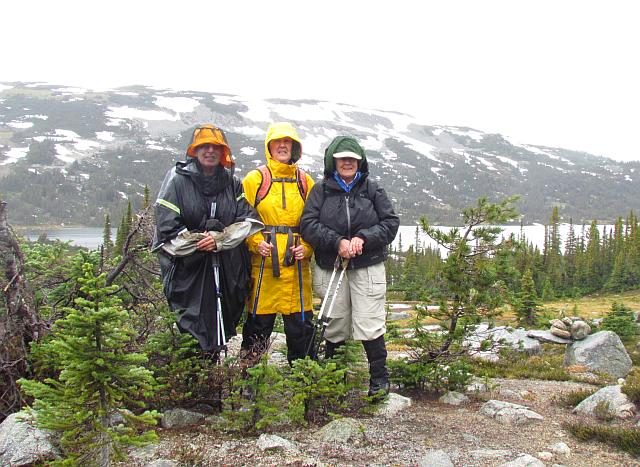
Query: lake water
x=91, y=237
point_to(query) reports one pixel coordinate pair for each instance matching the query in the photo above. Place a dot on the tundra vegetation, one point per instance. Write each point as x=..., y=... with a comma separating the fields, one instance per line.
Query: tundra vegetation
x=89, y=344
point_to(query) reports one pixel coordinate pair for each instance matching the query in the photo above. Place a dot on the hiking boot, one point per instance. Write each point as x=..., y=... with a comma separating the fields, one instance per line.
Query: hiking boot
x=330, y=348
x=378, y=387
x=377, y=357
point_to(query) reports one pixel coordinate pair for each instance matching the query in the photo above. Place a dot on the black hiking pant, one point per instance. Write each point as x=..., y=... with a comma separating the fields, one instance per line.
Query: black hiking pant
x=257, y=330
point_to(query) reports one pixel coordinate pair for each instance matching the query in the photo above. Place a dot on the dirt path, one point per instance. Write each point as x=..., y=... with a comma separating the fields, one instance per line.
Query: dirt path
x=469, y=438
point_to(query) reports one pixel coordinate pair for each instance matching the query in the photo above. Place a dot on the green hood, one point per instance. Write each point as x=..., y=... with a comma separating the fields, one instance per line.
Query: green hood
x=339, y=144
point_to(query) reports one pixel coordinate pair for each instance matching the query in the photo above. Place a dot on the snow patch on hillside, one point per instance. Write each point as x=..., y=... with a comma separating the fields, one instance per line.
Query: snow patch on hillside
x=177, y=104
x=129, y=113
x=20, y=125
x=14, y=154
x=248, y=151
x=104, y=135
x=64, y=154
x=71, y=90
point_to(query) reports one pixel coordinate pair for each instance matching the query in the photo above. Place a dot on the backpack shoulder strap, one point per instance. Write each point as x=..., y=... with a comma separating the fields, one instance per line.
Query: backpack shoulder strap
x=265, y=184
x=303, y=188
x=372, y=188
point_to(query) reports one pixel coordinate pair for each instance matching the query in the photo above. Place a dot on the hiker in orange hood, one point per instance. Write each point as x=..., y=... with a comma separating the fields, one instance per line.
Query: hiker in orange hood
x=201, y=197
x=278, y=192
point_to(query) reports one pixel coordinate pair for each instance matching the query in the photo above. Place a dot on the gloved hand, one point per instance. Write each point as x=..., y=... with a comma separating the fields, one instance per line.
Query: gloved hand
x=214, y=225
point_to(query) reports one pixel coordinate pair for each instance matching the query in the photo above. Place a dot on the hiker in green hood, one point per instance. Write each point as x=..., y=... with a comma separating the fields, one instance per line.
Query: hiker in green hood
x=349, y=215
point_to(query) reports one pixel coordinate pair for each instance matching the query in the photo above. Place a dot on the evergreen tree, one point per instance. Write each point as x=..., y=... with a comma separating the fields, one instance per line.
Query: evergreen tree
x=98, y=375
x=470, y=286
x=147, y=197
x=552, y=254
x=124, y=229
x=107, y=244
x=527, y=303
x=593, y=259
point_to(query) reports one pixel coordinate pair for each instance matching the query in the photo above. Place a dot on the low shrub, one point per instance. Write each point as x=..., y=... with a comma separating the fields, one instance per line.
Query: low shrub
x=625, y=439
x=430, y=376
x=631, y=386
x=620, y=320
x=573, y=398
x=518, y=365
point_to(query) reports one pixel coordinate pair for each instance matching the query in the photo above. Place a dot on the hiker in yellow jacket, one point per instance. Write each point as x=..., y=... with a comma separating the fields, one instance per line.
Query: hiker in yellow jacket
x=278, y=192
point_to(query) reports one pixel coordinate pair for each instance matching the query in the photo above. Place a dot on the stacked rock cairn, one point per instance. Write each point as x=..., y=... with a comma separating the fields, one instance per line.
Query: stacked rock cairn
x=570, y=328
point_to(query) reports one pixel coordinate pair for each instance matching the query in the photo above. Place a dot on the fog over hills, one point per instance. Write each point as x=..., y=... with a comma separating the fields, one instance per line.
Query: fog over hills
x=70, y=155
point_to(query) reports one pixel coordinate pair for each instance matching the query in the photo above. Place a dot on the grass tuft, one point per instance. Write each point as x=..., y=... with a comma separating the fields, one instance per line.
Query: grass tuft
x=625, y=439
x=573, y=398
x=631, y=386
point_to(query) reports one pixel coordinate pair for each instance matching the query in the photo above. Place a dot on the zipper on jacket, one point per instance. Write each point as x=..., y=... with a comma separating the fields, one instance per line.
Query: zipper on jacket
x=346, y=199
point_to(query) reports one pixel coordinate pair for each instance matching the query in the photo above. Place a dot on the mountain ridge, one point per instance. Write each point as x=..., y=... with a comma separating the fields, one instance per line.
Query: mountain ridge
x=70, y=155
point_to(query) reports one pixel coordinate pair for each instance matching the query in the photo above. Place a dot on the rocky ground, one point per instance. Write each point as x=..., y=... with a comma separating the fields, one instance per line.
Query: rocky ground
x=427, y=433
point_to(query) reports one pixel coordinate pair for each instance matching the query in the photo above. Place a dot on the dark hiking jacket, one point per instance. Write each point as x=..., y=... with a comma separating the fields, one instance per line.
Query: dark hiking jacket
x=185, y=202
x=331, y=214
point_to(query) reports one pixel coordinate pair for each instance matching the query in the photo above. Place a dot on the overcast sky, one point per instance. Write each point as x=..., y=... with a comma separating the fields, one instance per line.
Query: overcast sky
x=557, y=73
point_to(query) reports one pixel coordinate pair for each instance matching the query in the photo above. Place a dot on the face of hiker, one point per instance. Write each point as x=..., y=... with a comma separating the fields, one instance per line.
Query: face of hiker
x=280, y=149
x=347, y=168
x=209, y=156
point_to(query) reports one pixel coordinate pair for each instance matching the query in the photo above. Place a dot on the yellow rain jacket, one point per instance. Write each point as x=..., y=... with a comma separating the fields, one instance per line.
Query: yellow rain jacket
x=279, y=294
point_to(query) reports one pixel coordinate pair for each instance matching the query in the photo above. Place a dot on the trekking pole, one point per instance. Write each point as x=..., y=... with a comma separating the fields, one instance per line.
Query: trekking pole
x=297, y=243
x=267, y=238
x=221, y=337
x=323, y=320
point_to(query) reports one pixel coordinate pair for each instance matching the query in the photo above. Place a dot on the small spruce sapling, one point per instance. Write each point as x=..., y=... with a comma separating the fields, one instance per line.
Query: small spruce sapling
x=98, y=378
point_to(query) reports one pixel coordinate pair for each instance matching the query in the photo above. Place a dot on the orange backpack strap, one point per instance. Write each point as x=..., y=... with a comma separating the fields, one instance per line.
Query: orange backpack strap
x=301, y=175
x=267, y=180
x=265, y=184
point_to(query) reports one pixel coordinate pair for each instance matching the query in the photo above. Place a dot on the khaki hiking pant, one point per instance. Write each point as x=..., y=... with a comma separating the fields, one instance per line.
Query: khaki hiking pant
x=358, y=311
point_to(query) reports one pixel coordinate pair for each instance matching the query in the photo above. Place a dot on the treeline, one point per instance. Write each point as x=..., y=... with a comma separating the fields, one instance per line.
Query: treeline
x=589, y=260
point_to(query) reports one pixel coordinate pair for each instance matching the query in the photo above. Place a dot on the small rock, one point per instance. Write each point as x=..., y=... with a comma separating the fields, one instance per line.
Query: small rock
x=561, y=448
x=512, y=414
x=544, y=455
x=546, y=336
x=144, y=453
x=524, y=460
x=580, y=330
x=162, y=463
x=266, y=441
x=560, y=333
x=618, y=403
x=510, y=394
x=489, y=453
x=556, y=323
x=22, y=443
x=341, y=431
x=175, y=418
x=393, y=404
x=435, y=458
x=453, y=398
